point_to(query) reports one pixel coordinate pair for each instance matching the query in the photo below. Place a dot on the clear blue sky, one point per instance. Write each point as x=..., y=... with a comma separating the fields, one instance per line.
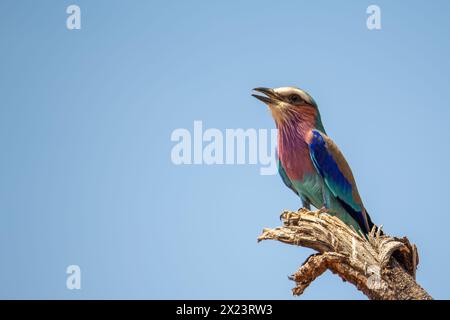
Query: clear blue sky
x=86, y=117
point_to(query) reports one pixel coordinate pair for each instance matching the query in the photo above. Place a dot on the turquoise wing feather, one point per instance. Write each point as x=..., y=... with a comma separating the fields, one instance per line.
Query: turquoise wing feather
x=285, y=178
x=334, y=169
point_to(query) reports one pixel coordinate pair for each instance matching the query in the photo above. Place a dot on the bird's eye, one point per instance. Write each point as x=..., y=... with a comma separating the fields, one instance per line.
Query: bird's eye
x=295, y=98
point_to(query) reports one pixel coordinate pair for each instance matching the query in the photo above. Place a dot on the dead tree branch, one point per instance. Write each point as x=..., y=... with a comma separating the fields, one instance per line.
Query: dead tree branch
x=382, y=267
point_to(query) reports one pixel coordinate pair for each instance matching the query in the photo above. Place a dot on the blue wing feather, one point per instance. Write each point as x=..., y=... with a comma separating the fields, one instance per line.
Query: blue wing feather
x=325, y=163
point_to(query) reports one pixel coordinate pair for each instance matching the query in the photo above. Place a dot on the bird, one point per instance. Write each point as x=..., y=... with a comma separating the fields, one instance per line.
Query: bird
x=309, y=161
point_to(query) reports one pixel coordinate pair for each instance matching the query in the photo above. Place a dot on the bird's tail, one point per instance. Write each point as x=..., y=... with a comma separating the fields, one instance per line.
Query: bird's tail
x=371, y=224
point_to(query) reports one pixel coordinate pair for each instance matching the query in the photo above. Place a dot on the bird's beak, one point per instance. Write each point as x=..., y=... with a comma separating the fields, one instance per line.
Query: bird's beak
x=269, y=98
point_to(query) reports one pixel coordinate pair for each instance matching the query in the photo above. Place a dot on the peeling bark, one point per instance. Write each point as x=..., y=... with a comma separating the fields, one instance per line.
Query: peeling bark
x=382, y=267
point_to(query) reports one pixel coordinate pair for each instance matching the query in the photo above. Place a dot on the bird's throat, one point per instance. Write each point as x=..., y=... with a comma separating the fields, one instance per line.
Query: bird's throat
x=293, y=148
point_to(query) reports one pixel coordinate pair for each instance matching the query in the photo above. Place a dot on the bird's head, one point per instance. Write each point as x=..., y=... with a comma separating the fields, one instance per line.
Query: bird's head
x=289, y=104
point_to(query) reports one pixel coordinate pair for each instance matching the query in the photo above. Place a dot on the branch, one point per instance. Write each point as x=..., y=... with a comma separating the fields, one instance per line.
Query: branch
x=382, y=267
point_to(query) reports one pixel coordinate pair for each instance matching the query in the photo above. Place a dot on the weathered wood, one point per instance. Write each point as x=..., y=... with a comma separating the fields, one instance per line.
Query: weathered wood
x=382, y=267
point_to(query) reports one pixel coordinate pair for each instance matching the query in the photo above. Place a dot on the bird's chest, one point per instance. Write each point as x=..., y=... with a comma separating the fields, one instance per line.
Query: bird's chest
x=296, y=162
x=303, y=176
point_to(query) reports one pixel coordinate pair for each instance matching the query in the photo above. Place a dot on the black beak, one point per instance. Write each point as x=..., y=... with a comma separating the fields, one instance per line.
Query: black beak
x=270, y=97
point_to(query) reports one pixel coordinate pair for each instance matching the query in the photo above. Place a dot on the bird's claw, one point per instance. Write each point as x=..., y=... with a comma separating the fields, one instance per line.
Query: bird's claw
x=321, y=210
x=284, y=215
x=290, y=218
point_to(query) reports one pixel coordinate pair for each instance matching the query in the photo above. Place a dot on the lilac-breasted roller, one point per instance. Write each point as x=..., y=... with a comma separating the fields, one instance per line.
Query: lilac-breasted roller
x=309, y=162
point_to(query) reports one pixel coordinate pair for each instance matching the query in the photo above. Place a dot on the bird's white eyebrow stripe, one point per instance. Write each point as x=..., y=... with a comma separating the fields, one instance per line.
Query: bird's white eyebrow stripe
x=293, y=90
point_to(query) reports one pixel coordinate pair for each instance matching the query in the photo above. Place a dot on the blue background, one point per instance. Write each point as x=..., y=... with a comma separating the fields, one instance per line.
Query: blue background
x=86, y=117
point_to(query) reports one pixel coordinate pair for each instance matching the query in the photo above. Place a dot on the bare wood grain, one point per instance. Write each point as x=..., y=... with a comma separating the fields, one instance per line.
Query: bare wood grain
x=382, y=267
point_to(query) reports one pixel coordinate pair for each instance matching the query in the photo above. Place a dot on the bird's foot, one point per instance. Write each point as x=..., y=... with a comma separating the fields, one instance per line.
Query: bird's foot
x=321, y=210
x=304, y=210
x=285, y=215
x=289, y=217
